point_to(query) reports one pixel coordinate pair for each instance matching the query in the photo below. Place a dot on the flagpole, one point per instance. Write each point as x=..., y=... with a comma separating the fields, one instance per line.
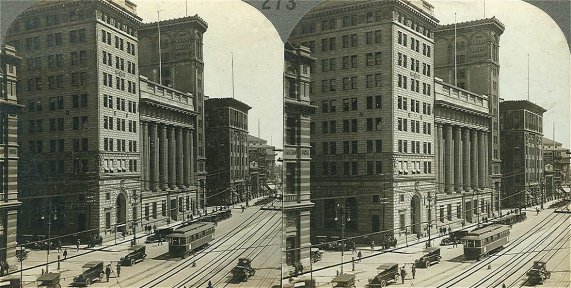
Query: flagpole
x=232, y=74
x=455, y=64
x=527, y=76
x=160, y=56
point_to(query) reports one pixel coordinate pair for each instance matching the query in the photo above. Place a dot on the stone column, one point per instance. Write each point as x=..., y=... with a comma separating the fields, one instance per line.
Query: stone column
x=466, y=159
x=458, y=159
x=172, y=158
x=163, y=167
x=145, y=159
x=191, y=157
x=481, y=159
x=474, y=158
x=179, y=157
x=186, y=154
x=155, y=156
x=449, y=165
x=442, y=152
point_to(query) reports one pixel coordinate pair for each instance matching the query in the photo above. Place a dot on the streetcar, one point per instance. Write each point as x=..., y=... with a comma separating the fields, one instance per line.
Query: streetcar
x=186, y=239
x=481, y=242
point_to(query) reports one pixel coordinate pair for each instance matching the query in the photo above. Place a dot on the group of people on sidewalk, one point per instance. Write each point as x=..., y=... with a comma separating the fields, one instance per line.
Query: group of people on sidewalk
x=403, y=272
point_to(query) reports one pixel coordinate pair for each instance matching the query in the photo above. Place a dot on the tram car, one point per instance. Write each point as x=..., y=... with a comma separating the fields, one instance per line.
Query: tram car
x=512, y=218
x=484, y=241
x=186, y=239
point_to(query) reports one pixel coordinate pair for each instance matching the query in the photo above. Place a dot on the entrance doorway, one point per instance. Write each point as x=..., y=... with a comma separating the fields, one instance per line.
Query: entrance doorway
x=415, y=214
x=121, y=208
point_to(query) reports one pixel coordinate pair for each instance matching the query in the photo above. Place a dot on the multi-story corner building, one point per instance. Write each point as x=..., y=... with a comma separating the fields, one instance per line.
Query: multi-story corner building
x=79, y=82
x=372, y=81
x=9, y=110
x=556, y=160
x=461, y=132
x=182, y=68
x=298, y=110
x=264, y=155
x=521, y=124
x=467, y=55
x=167, y=124
x=226, y=150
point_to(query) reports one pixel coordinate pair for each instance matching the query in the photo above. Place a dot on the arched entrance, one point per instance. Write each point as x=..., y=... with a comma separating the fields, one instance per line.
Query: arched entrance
x=121, y=209
x=415, y=214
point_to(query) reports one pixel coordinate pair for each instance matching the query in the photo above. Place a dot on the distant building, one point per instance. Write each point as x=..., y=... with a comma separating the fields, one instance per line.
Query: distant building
x=557, y=161
x=522, y=149
x=462, y=121
x=79, y=82
x=182, y=68
x=264, y=156
x=477, y=69
x=167, y=124
x=298, y=111
x=226, y=150
x=9, y=110
x=372, y=77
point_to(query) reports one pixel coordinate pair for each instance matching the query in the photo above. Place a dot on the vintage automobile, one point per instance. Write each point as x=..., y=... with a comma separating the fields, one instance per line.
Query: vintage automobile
x=161, y=233
x=454, y=238
x=431, y=256
x=92, y=271
x=316, y=254
x=347, y=245
x=389, y=242
x=49, y=280
x=302, y=282
x=538, y=273
x=344, y=281
x=243, y=270
x=137, y=254
x=323, y=244
x=387, y=273
x=22, y=254
x=11, y=281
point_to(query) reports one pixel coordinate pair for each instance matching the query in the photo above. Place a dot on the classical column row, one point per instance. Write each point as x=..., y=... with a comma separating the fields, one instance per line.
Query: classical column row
x=463, y=159
x=166, y=156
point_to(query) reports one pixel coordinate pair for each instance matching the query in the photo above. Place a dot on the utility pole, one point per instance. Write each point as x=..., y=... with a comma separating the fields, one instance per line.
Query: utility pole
x=134, y=196
x=343, y=215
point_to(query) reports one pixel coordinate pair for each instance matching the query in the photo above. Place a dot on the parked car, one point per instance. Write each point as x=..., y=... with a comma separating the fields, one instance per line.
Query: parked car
x=160, y=234
x=454, y=237
x=243, y=270
x=323, y=244
x=22, y=254
x=344, y=281
x=92, y=271
x=49, y=280
x=316, y=254
x=387, y=273
x=431, y=256
x=538, y=273
x=137, y=254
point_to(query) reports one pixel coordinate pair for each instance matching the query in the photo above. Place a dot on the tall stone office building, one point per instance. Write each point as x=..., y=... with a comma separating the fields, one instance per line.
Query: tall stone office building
x=477, y=70
x=9, y=110
x=226, y=150
x=78, y=79
x=296, y=156
x=372, y=80
x=182, y=68
x=522, y=150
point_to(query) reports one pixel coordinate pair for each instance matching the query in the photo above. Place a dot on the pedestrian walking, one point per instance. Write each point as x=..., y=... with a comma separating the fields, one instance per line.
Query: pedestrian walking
x=372, y=246
x=64, y=254
x=413, y=270
x=242, y=208
x=118, y=269
x=108, y=271
x=160, y=241
x=537, y=211
x=402, y=274
x=77, y=244
x=449, y=230
x=154, y=227
x=359, y=255
x=209, y=284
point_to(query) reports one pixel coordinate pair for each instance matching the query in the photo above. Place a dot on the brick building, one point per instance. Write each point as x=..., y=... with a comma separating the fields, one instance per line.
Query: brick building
x=264, y=156
x=557, y=161
x=226, y=150
x=79, y=82
x=9, y=110
x=521, y=125
x=372, y=81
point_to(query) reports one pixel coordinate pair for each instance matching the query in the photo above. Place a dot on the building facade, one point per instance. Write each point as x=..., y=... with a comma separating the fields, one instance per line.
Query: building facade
x=167, y=123
x=461, y=133
x=372, y=81
x=264, y=156
x=182, y=68
x=557, y=160
x=522, y=162
x=79, y=82
x=467, y=56
x=227, y=150
x=9, y=110
x=296, y=157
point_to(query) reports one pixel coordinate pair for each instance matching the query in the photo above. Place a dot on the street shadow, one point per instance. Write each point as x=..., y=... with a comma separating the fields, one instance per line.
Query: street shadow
x=166, y=256
x=460, y=259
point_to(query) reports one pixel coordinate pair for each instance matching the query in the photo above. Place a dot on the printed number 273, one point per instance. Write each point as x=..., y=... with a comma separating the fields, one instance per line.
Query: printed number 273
x=289, y=6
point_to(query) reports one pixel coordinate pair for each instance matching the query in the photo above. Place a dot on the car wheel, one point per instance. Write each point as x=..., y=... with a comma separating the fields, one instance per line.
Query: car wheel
x=132, y=262
x=427, y=264
x=383, y=283
x=396, y=278
x=87, y=282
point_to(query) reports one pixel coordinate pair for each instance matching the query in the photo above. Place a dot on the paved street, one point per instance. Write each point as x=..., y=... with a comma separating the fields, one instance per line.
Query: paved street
x=543, y=237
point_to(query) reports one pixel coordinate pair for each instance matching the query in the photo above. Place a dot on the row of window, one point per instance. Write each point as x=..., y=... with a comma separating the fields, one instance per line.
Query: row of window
x=371, y=59
x=120, y=43
x=402, y=39
x=414, y=85
x=57, y=103
x=415, y=147
x=402, y=125
x=351, y=104
x=402, y=103
x=409, y=22
x=119, y=83
x=348, y=41
x=402, y=60
x=57, y=145
x=130, y=107
x=57, y=124
x=349, y=147
x=57, y=81
x=122, y=145
x=52, y=40
x=121, y=124
x=350, y=168
x=107, y=59
x=414, y=167
x=120, y=165
x=57, y=167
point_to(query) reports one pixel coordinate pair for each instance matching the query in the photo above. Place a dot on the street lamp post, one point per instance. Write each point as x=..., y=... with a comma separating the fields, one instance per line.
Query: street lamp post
x=342, y=215
x=134, y=197
x=429, y=244
x=49, y=216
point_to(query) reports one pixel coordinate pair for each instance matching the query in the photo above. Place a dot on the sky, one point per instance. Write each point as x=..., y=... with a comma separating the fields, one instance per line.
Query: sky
x=236, y=28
